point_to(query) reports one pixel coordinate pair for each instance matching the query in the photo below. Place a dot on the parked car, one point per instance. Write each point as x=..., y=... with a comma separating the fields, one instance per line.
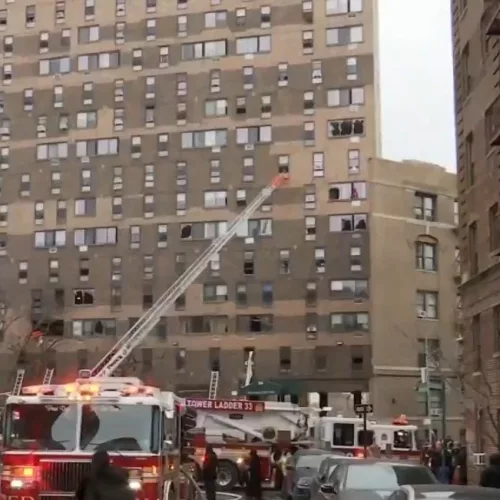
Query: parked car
x=305, y=463
x=372, y=479
x=444, y=492
x=325, y=471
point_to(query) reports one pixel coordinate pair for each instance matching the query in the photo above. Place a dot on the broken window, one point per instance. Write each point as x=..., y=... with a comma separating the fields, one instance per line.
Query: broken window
x=348, y=222
x=83, y=297
x=255, y=323
x=180, y=359
x=347, y=191
x=147, y=296
x=214, y=358
x=346, y=128
x=203, y=324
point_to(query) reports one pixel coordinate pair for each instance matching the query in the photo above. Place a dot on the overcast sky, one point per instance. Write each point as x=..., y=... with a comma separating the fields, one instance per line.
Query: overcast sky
x=417, y=81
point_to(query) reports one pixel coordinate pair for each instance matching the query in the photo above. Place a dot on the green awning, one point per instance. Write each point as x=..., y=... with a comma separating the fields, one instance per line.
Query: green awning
x=270, y=388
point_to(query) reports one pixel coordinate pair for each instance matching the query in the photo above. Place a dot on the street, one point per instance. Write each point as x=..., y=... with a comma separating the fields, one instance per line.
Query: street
x=266, y=495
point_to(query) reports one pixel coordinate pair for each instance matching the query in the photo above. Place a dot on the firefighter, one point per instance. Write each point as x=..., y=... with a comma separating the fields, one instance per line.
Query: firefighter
x=209, y=472
x=254, y=483
x=105, y=481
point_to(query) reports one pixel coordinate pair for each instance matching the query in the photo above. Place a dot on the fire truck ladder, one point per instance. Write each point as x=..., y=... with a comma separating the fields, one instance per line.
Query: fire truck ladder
x=214, y=384
x=47, y=378
x=18, y=384
x=135, y=335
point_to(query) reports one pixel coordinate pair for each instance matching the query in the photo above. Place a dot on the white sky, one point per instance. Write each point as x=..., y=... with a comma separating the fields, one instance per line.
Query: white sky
x=417, y=81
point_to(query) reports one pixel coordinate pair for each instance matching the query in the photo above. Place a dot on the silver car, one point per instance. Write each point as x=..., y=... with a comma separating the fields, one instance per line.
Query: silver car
x=444, y=492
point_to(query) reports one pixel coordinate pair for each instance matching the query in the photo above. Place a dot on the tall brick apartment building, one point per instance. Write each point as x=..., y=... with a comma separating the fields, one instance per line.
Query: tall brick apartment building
x=476, y=33
x=132, y=131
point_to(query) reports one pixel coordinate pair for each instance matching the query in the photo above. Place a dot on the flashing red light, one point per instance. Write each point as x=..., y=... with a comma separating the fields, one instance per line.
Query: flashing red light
x=401, y=420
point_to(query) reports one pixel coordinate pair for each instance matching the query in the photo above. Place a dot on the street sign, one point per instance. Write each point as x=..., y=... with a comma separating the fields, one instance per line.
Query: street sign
x=363, y=409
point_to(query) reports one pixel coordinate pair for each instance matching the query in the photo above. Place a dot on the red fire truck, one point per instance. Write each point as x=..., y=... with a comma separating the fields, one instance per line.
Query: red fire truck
x=51, y=432
x=234, y=427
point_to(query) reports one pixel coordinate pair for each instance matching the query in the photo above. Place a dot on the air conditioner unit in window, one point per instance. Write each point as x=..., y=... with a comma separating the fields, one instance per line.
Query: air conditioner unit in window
x=312, y=329
x=421, y=313
x=53, y=250
x=479, y=459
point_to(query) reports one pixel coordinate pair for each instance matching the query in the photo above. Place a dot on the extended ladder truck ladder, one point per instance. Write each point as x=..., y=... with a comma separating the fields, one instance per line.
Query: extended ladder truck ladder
x=47, y=378
x=214, y=384
x=150, y=318
x=18, y=383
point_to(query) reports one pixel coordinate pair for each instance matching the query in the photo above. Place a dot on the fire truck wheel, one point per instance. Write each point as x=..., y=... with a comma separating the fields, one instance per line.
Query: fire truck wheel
x=228, y=475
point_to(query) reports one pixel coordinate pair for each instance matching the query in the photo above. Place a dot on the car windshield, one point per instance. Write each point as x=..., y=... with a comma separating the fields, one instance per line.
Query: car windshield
x=309, y=461
x=120, y=428
x=40, y=427
x=385, y=477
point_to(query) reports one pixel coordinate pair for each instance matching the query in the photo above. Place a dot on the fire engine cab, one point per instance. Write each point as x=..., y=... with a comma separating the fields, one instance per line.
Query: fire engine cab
x=345, y=435
x=51, y=432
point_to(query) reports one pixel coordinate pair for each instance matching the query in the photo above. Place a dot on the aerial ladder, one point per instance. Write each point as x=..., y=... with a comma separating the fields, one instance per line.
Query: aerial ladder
x=47, y=378
x=18, y=383
x=214, y=384
x=141, y=329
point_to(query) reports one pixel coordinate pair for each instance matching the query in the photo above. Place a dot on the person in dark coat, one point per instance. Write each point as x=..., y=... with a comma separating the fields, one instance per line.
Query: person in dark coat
x=105, y=481
x=490, y=477
x=254, y=483
x=209, y=472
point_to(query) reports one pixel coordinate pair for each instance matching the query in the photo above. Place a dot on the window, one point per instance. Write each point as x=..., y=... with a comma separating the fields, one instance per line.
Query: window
x=284, y=261
x=97, y=147
x=96, y=236
x=60, y=12
x=285, y=358
x=30, y=16
x=85, y=207
x=204, y=50
x=248, y=77
x=7, y=74
x=426, y=255
x=348, y=222
x=424, y=206
x=267, y=294
x=104, y=60
x=215, y=293
x=8, y=46
x=204, y=139
x=353, y=161
x=320, y=260
x=347, y=191
x=4, y=214
x=351, y=127
x=349, y=322
x=254, y=45
x=255, y=228
x=25, y=188
x=55, y=66
x=182, y=27
x=94, y=327
x=50, y=239
x=89, y=9
x=241, y=296
x=333, y=7
x=86, y=119
x=344, y=36
x=87, y=93
x=22, y=273
x=85, y=180
x=120, y=33
x=215, y=81
x=88, y=34
x=248, y=263
x=83, y=297
x=216, y=107
x=53, y=151
x=137, y=59
x=427, y=305
x=217, y=19
x=346, y=97
x=162, y=236
x=121, y=8
x=241, y=16
x=307, y=42
x=352, y=68
x=150, y=29
x=349, y=289
x=163, y=57
x=254, y=135
x=254, y=323
x=215, y=199
x=429, y=350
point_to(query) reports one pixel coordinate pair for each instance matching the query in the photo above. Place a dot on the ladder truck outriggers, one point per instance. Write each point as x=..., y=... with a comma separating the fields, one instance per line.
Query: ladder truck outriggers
x=51, y=430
